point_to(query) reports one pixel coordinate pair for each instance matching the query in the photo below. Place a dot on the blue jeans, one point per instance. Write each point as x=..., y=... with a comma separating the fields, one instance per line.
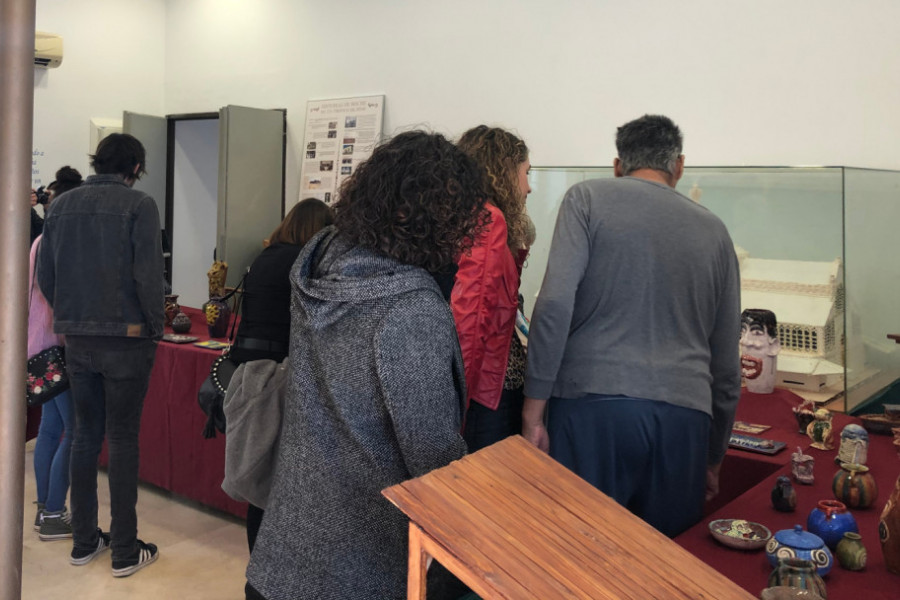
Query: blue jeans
x=648, y=455
x=51, y=452
x=109, y=378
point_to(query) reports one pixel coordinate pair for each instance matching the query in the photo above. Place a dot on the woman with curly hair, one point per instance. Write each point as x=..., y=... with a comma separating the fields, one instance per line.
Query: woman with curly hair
x=375, y=393
x=485, y=297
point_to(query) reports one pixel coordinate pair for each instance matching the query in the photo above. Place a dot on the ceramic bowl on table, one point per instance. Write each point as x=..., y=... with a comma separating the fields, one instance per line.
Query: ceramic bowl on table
x=740, y=534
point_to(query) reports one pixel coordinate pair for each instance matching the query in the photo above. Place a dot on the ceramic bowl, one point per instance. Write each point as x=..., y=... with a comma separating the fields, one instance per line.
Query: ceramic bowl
x=740, y=534
x=783, y=592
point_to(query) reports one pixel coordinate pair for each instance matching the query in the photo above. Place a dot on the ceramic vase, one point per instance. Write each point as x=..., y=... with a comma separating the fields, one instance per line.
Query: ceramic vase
x=798, y=573
x=171, y=308
x=784, y=496
x=830, y=520
x=854, y=446
x=855, y=486
x=889, y=530
x=850, y=552
x=181, y=323
x=217, y=316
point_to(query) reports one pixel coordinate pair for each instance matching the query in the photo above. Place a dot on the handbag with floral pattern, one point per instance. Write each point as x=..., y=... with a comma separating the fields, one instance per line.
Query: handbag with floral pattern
x=46, y=375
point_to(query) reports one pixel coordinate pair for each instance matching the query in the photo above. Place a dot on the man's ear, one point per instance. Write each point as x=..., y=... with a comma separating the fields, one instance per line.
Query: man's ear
x=617, y=167
x=679, y=168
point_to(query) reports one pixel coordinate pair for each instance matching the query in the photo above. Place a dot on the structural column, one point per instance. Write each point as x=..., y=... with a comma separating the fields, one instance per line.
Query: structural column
x=17, y=21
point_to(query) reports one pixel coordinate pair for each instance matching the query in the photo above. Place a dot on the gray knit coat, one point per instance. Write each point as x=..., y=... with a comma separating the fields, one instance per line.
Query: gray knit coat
x=375, y=396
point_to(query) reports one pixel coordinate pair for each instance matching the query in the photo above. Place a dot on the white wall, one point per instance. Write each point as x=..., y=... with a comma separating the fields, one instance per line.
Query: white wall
x=113, y=59
x=761, y=83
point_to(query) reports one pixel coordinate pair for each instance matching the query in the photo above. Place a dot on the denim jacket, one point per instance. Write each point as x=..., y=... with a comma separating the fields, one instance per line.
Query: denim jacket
x=100, y=263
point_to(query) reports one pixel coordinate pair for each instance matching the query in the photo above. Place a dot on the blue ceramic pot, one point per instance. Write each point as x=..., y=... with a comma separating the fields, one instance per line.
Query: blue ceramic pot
x=796, y=543
x=830, y=520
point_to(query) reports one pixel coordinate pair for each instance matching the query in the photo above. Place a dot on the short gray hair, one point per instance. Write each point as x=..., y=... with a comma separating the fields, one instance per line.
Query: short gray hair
x=650, y=142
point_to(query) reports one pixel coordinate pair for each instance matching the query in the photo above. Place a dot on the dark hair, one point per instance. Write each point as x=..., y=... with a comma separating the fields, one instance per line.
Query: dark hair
x=302, y=222
x=762, y=317
x=418, y=199
x=119, y=154
x=651, y=142
x=67, y=179
x=500, y=153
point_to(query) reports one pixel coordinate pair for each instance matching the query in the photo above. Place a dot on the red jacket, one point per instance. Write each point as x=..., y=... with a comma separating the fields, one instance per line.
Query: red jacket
x=484, y=303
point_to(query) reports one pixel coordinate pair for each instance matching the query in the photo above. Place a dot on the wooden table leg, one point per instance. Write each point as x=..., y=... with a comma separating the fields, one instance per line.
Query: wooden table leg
x=418, y=565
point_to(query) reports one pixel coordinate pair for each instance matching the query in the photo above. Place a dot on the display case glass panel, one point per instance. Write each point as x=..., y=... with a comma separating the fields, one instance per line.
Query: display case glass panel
x=815, y=248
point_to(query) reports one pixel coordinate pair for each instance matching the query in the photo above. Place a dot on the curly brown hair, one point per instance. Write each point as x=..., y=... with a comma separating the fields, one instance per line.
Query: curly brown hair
x=417, y=199
x=500, y=153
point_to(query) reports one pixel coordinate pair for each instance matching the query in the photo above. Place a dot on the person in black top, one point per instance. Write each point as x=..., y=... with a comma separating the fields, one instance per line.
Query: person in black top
x=265, y=328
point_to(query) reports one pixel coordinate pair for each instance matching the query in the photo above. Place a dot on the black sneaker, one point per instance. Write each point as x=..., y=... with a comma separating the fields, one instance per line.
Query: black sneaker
x=83, y=557
x=37, y=516
x=146, y=554
x=55, y=526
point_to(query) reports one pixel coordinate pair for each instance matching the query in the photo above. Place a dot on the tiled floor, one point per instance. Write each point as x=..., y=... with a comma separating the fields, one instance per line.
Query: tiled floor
x=203, y=554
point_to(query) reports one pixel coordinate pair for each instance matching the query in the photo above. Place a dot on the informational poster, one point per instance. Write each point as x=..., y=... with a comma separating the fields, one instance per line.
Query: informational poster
x=340, y=134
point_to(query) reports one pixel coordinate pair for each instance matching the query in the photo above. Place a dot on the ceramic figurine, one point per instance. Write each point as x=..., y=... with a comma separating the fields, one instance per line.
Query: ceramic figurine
x=855, y=486
x=759, y=349
x=889, y=531
x=797, y=573
x=802, y=467
x=171, y=308
x=784, y=496
x=850, y=552
x=181, y=323
x=217, y=310
x=217, y=274
x=805, y=414
x=819, y=431
x=796, y=543
x=854, y=446
x=830, y=520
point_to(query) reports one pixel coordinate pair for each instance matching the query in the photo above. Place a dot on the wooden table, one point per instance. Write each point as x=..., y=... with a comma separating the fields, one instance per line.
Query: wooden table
x=512, y=523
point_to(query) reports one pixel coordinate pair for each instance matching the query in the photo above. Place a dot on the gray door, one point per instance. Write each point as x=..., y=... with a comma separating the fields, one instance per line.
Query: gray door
x=152, y=133
x=251, y=183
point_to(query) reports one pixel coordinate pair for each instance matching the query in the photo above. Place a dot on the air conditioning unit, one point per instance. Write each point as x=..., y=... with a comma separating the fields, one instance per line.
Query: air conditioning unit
x=48, y=50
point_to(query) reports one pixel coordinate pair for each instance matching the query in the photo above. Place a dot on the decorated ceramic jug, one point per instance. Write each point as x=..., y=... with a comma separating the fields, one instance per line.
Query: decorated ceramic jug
x=796, y=543
x=171, y=308
x=797, y=573
x=830, y=520
x=850, y=552
x=854, y=446
x=784, y=496
x=854, y=486
x=889, y=531
x=217, y=316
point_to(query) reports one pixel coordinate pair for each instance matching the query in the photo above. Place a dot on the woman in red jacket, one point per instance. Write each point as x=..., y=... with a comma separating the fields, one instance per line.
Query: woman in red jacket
x=485, y=295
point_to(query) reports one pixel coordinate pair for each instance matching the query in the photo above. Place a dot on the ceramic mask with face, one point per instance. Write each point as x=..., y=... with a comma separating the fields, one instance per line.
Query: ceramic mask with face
x=759, y=349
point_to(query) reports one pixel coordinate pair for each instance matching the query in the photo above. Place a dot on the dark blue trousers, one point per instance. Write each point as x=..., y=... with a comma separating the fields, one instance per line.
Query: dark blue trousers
x=649, y=456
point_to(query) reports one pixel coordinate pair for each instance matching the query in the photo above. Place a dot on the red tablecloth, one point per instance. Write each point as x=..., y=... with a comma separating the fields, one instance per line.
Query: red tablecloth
x=174, y=454
x=751, y=570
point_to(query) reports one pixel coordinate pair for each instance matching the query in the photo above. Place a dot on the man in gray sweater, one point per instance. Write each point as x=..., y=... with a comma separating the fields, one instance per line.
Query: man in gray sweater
x=634, y=337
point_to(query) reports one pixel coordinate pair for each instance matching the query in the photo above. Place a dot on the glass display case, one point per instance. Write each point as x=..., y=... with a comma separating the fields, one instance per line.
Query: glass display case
x=816, y=246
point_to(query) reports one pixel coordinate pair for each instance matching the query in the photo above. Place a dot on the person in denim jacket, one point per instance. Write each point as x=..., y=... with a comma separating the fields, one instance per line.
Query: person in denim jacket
x=100, y=266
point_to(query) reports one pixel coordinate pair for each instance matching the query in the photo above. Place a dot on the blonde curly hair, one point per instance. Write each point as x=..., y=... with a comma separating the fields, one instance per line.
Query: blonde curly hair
x=500, y=153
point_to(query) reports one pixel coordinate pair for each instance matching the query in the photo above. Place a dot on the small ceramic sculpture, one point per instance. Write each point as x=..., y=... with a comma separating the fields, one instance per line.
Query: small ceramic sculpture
x=217, y=274
x=819, y=431
x=830, y=520
x=851, y=553
x=802, y=467
x=759, y=349
x=217, y=311
x=854, y=446
x=784, y=496
x=855, y=486
x=805, y=414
